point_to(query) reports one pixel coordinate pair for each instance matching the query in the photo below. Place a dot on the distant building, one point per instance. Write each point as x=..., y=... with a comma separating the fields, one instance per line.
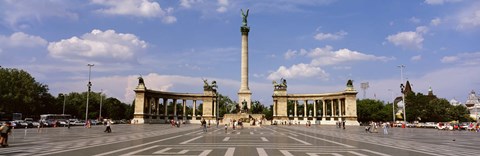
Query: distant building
x=473, y=105
x=454, y=102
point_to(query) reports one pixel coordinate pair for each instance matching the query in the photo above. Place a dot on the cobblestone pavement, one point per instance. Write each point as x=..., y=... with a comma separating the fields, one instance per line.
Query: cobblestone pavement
x=266, y=140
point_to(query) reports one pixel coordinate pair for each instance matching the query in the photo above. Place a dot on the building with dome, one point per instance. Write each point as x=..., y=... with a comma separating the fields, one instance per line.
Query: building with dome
x=455, y=102
x=473, y=105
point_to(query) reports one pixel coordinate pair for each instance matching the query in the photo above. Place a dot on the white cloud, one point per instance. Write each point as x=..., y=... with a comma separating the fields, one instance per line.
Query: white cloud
x=415, y=20
x=298, y=71
x=223, y=4
x=139, y=8
x=435, y=21
x=330, y=36
x=416, y=58
x=440, y=2
x=449, y=59
x=292, y=53
x=409, y=39
x=325, y=56
x=464, y=58
x=101, y=46
x=187, y=3
x=469, y=17
x=20, y=14
x=320, y=57
x=20, y=39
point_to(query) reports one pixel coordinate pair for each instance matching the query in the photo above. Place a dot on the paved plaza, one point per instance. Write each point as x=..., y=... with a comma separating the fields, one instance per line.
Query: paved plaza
x=278, y=140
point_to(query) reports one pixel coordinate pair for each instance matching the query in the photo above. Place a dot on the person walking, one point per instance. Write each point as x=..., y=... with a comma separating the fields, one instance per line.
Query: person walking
x=108, y=129
x=5, y=130
x=204, y=124
x=385, y=126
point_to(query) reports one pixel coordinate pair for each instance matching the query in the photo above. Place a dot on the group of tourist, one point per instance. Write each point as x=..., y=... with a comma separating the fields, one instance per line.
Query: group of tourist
x=373, y=127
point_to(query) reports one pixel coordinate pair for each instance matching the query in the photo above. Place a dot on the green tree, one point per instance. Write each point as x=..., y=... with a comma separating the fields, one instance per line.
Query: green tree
x=370, y=110
x=459, y=113
x=20, y=93
x=224, y=104
x=257, y=107
x=268, y=112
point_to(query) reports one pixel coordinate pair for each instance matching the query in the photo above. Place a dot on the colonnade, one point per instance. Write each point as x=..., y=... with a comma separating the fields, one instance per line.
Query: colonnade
x=326, y=109
x=147, y=105
x=154, y=108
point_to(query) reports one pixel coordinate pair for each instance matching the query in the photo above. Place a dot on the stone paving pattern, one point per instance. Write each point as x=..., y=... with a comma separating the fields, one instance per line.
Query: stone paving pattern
x=159, y=139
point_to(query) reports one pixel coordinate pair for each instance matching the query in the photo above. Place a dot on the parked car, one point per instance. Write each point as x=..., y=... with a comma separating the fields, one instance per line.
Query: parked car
x=35, y=124
x=20, y=124
x=78, y=123
x=430, y=125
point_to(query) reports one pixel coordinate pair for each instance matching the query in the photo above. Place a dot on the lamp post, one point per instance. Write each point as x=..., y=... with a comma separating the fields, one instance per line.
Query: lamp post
x=101, y=99
x=403, y=93
x=64, y=100
x=89, y=85
x=393, y=104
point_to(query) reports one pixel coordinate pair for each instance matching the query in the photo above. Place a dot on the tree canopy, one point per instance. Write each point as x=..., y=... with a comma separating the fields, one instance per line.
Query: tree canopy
x=419, y=107
x=21, y=93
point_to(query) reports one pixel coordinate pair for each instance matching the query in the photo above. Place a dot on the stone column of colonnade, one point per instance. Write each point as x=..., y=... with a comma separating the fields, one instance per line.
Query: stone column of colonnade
x=339, y=110
x=295, y=110
x=184, y=115
x=274, y=107
x=157, y=106
x=214, y=107
x=315, y=111
x=175, y=109
x=324, y=110
x=331, y=110
x=165, y=104
x=194, y=116
x=305, y=117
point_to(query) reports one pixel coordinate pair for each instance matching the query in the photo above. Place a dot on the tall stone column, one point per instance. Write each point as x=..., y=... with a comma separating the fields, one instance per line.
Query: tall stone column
x=244, y=93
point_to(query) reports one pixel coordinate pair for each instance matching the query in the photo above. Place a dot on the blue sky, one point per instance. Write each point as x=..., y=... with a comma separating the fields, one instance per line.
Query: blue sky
x=317, y=45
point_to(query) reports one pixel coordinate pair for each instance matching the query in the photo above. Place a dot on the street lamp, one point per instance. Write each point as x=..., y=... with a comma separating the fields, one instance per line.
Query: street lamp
x=403, y=93
x=89, y=85
x=64, y=100
x=393, y=104
x=101, y=99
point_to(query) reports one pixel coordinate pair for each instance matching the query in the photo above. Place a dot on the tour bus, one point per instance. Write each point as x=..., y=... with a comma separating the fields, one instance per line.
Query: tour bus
x=51, y=120
x=10, y=116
